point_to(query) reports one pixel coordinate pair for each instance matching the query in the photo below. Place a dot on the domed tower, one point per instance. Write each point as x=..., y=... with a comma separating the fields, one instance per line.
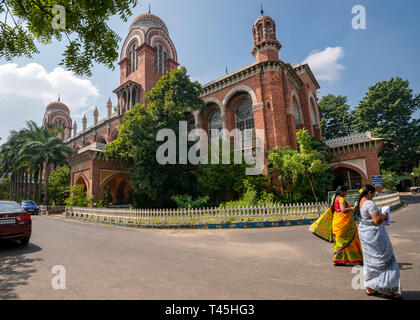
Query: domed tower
x=266, y=46
x=147, y=53
x=58, y=114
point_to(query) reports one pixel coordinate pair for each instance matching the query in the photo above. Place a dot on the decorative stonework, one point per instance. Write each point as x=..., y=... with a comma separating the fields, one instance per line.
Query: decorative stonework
x=305, y=69
x=266, y=45
x=251, y=71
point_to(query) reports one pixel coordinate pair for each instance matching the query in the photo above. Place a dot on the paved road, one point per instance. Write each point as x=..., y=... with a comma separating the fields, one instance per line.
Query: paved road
x=104, y=262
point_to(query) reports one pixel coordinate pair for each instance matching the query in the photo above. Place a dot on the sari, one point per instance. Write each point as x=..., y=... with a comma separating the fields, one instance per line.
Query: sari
x=339, y=228
x=381, y=269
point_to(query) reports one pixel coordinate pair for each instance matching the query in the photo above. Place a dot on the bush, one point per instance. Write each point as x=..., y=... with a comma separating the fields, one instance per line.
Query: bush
x=59, y=186
x=390, y=180
x=252, y=198
x=187, y=202
x=79, y=197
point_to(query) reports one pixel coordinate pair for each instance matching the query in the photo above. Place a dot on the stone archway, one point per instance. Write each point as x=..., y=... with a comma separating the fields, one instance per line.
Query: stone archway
x=120, y=186
x=349, y=175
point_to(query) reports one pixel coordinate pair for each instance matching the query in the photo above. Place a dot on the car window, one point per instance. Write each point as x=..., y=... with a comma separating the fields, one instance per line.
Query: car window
x=30, y=202
x=10, y=207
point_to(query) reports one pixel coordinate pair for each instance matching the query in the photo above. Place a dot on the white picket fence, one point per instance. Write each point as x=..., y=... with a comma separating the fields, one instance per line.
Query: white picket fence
x=202, y=216
x=51, y=210
x=205, y=216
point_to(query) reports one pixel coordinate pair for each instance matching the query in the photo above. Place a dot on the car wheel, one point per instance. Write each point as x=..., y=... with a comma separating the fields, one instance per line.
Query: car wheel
x=24, y=242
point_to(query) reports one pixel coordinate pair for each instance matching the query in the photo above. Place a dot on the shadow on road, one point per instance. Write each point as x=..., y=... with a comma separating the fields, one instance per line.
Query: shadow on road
x=15, y=267
x=410, y=199
x=405, y=266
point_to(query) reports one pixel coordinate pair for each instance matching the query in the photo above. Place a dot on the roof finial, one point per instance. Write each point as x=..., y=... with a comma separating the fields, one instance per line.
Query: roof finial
x=227, y=70
x=58, y=97
x=262, y=10
x=149, y=8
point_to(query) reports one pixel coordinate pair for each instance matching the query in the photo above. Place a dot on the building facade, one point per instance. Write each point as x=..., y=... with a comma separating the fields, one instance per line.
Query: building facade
x=269, y=94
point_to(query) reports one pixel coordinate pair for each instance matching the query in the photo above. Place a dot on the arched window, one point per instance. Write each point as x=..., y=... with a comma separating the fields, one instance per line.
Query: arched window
x=135, y=98
x=60, y=124
x=314, y=113
x=260, y=32
x=297, y=112
x=132, y=56
x=156, y=58
x=101, y=140
x=160, y=59
x=268, y=30
x=244, y=115
x=215, y=122
x=244, y=118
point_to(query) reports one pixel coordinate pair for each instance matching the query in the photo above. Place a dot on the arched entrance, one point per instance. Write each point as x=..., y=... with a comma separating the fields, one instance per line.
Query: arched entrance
x=82, y=182
x=120, y=188
x=348, y=176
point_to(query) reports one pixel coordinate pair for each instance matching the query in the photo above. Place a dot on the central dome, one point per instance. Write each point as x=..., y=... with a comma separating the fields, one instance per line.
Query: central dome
x=57, y=106
x=149, y=21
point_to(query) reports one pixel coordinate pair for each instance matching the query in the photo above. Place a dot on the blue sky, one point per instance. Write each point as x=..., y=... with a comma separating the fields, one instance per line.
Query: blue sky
x=212, y=35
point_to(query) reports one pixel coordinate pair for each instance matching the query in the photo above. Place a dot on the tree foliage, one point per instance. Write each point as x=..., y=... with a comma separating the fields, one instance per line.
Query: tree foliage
x=59, y=186
x=30, y=150
x=222, y=181
x=187, y=202
x=387, y=111
x=5, y=189
x=169, y=102
x=390, y=180
x=336, y=117
x=79, y=197
x=28, y=23
x=301, y=170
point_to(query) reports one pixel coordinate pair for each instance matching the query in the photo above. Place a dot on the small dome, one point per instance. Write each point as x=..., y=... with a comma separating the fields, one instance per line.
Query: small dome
x=58, y=106
x=149, y=21
x=263, y=17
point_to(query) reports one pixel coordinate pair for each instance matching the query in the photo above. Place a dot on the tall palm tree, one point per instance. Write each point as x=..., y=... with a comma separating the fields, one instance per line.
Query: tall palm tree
x=32, y=150
x=48, y=149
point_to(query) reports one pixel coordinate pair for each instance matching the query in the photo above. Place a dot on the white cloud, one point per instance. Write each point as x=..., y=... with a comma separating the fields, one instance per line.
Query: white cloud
x=324, y=64
x=25, y=91
x=34, y=82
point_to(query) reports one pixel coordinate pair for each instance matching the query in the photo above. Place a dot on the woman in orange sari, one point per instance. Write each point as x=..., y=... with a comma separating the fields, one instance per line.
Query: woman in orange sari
x=337, y=225
x=347, y=247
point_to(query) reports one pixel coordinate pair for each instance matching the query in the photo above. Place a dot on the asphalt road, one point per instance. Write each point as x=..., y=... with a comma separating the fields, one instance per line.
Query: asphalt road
x=104, y=262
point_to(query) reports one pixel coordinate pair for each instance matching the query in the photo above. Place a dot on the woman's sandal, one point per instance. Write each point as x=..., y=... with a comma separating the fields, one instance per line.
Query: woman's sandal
x=373, y=294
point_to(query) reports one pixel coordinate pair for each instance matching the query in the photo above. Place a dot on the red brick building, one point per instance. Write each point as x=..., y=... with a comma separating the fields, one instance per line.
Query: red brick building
x=268, y=94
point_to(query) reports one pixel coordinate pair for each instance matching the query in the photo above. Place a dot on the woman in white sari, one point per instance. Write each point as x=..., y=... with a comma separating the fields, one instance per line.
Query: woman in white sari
x=381, y=270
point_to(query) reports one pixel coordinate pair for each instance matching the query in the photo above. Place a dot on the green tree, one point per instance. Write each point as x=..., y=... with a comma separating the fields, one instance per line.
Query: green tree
x=387, y=111
x=222, y=182
x=29, y=23
x=59, y=186
x=79, y=197
x=336, y=118
x=299, y=169
x=169, y=102
x=5, y=189
x=416, y=172
x=390, y=180
x=187, y=202
x=49, y=150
